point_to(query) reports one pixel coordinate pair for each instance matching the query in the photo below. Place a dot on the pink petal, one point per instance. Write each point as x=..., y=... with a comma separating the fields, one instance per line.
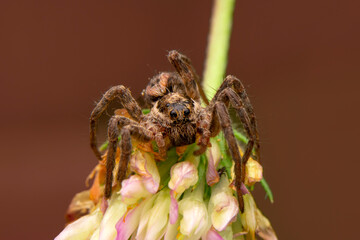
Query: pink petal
x=212, y=234
x=151, y=184
x=183, y=175
x=144, y=164
x=174, y=208
x=129, y=222
x=104, y=205
x=212, y=176
x=244, y=189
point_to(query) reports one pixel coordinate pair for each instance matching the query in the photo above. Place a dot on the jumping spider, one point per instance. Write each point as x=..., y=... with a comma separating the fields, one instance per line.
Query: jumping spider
x=176, y=119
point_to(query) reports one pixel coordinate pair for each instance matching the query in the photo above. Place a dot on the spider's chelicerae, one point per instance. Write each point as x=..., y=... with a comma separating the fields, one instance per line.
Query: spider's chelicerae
x=176, y=119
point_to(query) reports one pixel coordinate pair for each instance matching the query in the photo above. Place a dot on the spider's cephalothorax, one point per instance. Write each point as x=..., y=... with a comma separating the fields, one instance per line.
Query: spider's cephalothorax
x=177, y=114
x=176, y=119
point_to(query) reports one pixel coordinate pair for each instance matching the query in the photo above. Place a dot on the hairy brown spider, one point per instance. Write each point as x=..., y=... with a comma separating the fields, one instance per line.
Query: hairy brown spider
x=176, y=119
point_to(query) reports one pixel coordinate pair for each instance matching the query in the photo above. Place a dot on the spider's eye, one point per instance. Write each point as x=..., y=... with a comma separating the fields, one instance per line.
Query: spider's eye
x=168, y=105
x=173, y=114
x=186, y=112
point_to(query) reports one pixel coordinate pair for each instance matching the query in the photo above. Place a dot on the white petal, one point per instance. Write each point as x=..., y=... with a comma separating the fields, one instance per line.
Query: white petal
x=223, y=206
x=159, y=217
x=114, y=212
x=195, y=217
x=82, y=228
x=248, y=218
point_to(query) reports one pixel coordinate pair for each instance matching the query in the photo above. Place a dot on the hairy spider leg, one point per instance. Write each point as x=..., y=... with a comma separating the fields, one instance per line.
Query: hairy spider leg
x=225, y=124
x=229, y=95
x=127, y=128
x=187, y=72
x=235, y=84
x=206, y=124
x=124, y=95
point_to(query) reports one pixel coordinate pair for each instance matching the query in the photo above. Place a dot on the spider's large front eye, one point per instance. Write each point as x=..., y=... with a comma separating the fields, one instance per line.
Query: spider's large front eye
x=186, y=112
x=173, y=114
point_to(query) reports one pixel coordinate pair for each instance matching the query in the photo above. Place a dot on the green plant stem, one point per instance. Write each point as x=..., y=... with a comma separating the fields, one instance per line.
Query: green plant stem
x=218, y=45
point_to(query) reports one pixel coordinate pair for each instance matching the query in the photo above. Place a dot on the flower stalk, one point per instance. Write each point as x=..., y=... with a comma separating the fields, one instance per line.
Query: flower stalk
x=218, y=45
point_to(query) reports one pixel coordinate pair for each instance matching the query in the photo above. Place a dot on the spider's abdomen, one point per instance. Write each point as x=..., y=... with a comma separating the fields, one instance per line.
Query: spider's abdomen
x=183, y=134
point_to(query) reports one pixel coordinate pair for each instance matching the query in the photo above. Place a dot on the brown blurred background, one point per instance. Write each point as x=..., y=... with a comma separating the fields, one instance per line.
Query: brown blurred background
x=298, y=59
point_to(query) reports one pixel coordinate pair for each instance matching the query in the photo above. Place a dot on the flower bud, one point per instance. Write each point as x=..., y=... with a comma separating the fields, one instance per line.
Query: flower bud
x=183, y=175
x=195, y=219
x=144, y=165
x=133, y=189
x=213, y=156
x=223, y=206
x=253, y=172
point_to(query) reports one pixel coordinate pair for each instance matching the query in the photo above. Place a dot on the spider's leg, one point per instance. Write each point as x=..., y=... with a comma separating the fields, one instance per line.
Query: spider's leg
x=187, y=72
x=126, y=100
x=235, y=84
x=119, y=125
x=225, y=123
x=229, y=95
x=162, y=84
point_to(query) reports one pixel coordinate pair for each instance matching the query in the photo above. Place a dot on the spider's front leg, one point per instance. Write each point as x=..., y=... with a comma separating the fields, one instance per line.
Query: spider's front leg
x=127, y=128
x=124, y=95
x=187, y=72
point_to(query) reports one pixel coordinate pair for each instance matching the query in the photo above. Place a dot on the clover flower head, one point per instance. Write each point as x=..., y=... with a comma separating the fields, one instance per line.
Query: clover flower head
x=183, y=197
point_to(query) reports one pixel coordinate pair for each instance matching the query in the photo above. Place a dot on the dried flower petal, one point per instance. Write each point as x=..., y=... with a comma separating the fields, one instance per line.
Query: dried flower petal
x=80, y=205
x=264, y=228
x=253, y=172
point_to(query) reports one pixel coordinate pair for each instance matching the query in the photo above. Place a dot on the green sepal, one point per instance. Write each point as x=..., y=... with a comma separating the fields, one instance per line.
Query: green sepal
x=267, y=189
